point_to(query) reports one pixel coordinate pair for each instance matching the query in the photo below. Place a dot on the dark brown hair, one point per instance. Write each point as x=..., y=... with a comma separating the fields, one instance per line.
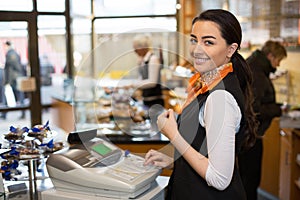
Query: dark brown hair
x=275, y=48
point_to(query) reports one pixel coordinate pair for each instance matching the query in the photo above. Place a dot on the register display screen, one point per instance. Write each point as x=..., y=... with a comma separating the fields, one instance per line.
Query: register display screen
x=101, y=149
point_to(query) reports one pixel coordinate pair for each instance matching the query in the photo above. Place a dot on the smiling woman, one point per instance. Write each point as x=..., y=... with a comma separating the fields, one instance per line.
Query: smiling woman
x=216, y=120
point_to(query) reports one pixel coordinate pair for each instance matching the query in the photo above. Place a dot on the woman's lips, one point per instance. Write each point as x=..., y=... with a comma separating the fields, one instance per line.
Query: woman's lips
x=199, y=61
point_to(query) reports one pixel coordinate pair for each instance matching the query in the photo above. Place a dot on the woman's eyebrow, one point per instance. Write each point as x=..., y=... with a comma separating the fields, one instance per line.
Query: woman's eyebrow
x=204, y=37
x=208, y=36
x=194, y=36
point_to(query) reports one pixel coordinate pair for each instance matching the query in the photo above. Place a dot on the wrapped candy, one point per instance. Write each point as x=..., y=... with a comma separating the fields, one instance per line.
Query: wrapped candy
x=16, y=133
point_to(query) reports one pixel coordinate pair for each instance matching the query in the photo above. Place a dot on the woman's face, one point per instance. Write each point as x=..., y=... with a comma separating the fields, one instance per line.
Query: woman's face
x=208, y=48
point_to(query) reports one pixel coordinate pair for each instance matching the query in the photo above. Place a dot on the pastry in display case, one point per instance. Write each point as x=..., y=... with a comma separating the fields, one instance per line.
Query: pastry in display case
x=118, y=111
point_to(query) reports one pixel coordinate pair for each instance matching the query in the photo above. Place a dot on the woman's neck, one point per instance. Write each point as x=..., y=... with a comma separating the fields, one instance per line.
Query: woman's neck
x=208, y=77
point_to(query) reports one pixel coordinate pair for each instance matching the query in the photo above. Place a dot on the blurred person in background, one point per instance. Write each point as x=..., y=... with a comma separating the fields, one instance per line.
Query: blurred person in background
x=262, y=63
x=46, y=70
x=12, y=70
x=149, y=66
x=2, y=96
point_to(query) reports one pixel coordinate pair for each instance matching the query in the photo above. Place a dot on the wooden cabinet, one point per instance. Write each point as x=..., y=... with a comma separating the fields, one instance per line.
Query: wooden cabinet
x=62, y=115
x=185, y=16
x=270, y=160
x=289, y=186
x=285, y=163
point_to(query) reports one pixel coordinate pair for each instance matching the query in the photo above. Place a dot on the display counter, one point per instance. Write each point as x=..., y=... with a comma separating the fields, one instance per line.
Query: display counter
x=277, y=158
x=63, y=115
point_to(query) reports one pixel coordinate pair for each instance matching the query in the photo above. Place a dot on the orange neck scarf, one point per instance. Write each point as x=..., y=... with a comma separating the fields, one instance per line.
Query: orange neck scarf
x=199, y=84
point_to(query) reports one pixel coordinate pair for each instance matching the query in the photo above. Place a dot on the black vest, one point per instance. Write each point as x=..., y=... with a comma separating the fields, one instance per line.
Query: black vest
x=185, y=182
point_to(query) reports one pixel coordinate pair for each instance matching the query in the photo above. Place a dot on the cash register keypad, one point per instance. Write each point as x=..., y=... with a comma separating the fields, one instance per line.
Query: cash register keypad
x=130, y=168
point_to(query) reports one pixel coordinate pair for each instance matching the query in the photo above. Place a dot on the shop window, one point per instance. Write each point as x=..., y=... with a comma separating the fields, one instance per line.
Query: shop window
x=50, y=6
x=16, y=5
x=134, y=7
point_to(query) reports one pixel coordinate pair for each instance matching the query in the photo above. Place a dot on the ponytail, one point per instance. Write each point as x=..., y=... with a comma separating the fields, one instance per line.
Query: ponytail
x=244, y=75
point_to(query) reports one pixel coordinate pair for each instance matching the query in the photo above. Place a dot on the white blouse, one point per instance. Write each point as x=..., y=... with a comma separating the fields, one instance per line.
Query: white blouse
x=220, y=116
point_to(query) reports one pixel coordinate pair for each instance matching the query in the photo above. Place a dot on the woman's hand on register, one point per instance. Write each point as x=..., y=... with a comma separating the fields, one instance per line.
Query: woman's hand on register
x=158, y=159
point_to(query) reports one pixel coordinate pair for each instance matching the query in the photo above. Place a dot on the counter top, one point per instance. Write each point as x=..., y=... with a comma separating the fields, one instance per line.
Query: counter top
x=288, y=122
x=126, y=139
x=70, y=100
x=120, y=137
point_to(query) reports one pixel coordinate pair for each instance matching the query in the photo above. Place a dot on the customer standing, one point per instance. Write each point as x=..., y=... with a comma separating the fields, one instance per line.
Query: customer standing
x=262, y=63
x=2, y=97
x=12, y=70
x=46, y=71
x=149, y=70
x=217, y=118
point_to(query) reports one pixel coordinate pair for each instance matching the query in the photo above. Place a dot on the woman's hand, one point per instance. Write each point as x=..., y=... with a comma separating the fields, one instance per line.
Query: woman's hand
x=167, y=124
x=158, y=159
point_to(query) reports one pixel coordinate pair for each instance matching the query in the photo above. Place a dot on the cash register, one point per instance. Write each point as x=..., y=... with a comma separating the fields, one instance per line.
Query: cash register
x=100, y=168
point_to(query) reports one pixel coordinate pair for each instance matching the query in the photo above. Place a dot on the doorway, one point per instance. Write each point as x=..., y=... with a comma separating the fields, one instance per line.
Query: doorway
x=13, y=67
x=20, y=29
